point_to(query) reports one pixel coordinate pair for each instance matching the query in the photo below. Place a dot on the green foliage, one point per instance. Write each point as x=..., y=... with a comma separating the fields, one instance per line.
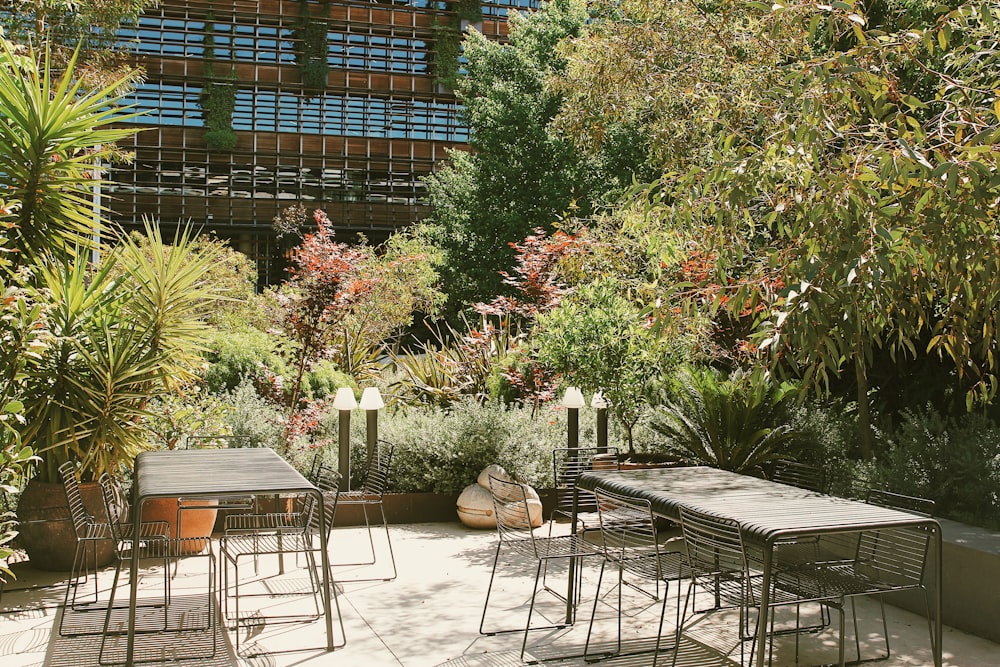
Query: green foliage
x=445, y=450
x=600, y=341
x=519, y=175
x=119, y=335
x=447, y=50
x=236, y=356
x=218, y=97
x=955, y=462
x=252, y=418
x=54, y=134
x=21, y=335
x=324, y=378
x=737, y=423
x=312, y=48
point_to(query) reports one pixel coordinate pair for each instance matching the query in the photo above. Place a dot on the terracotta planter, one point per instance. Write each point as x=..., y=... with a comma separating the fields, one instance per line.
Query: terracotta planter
x=46, y=529
x=195, y=523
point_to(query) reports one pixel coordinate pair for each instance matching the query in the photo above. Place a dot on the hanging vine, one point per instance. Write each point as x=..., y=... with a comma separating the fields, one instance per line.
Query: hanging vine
x=218, y=96
x=448, y=39
x=312, y=47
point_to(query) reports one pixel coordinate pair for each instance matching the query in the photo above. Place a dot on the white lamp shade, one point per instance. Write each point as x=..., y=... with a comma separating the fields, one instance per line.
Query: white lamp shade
x=573, y=398
x=344, y=400
x=598, y=402
x=371, y=399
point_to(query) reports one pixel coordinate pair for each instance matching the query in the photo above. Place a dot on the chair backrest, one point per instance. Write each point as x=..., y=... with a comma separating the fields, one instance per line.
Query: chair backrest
x=378, y=469
x=568, y=463
x=71, y=486
x=628, y=531
x=714, y=545
x=896, y=557
x=510, y=505
x=115, y=503
x=802, y=475
x=327, y=480
x=897, y=501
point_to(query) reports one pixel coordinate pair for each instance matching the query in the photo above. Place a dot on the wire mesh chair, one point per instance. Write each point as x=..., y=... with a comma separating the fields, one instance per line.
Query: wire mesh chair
x=802, y=475
x=370, y=495
x=89, y=533
x=152, y=541
x=629, y=539
x=280, y=533
x=884, y=561
x=510, y=504
x=718, y=563
x=568, y=463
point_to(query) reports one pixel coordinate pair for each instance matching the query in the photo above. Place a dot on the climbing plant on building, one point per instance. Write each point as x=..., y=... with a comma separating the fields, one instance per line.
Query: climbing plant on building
x=218, y=97
x=312, y=47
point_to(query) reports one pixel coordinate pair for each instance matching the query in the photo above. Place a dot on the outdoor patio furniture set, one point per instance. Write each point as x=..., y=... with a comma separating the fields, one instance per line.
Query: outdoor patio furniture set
x=751, y=545
x=233, y=479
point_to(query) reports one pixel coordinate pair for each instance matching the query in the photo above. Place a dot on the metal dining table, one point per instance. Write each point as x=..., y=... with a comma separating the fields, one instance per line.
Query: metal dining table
x=768, y=513
x=221, y=474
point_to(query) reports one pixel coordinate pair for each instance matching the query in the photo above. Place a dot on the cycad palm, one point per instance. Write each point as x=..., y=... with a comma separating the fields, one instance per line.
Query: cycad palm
x=734, y=424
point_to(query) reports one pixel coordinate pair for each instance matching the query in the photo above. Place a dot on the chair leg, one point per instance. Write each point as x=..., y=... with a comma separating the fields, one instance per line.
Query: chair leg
x=489, y=589
x=593, y=612
x=531, y=607
x=388, y=541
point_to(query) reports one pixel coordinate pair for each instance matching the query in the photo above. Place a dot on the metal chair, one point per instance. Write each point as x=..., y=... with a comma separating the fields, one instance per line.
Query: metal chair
x=568, y=463
x=718, y=563
x=152, y=541
x=280, y=534
x=884, y=561
x=510, y=504
x=802, y=475
x=629, y=539
x=370, y=495
x=89, y=533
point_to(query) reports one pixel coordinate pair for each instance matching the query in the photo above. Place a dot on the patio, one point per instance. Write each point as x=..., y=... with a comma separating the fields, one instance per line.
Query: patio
x=429, y=616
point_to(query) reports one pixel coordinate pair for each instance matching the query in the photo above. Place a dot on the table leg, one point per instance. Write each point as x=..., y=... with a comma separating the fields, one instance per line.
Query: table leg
x=571, y=584
x=133, y=579
x=764, y=603
x=325, y=560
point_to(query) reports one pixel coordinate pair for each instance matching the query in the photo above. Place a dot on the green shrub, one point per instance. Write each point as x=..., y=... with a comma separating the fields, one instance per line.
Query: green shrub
x=953, y=461
x=239, y=355
x=253, y=418
x=444, y=450
x=324, y=379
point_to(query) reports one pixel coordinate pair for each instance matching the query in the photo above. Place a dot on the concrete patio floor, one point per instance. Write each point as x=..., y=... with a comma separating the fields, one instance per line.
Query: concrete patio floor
x=429, y=616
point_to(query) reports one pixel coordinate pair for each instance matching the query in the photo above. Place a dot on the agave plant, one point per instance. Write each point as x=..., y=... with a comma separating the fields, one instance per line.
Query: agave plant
x=736, y=423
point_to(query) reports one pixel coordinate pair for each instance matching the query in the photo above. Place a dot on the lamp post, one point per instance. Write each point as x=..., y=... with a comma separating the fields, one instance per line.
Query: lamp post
x=344, y=402
x=371, y=402
x=600, y=404
x=573, y=401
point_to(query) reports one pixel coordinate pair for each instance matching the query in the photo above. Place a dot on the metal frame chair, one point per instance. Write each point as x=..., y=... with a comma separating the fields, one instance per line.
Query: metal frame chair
x=89, y=533
x=510, y=504
x=153, y=541
x=371, y=494
x=802, y=475
x=718, y=563
x=629, y=539
x=884, y=561
x=279, y=533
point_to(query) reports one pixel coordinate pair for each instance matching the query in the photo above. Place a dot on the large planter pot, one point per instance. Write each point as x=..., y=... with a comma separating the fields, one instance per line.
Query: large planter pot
x=46, y=529
x=195, y=524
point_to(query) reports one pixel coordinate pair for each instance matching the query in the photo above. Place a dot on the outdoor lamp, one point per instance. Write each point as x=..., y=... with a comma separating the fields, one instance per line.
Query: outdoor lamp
x=371, y=402
x=600, y=404
x=344, y=402
x=573, y=401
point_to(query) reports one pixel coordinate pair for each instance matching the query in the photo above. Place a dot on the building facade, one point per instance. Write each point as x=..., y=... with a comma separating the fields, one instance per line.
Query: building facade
x=250, y=107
